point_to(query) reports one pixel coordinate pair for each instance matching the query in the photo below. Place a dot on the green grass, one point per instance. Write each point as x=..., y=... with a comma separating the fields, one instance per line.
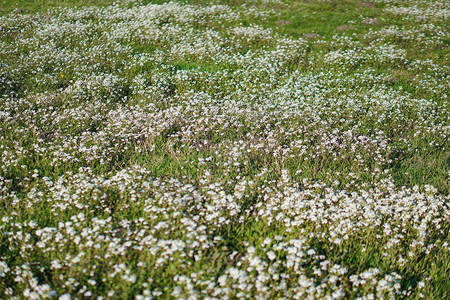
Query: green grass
x=363, y=122
x=32, y=6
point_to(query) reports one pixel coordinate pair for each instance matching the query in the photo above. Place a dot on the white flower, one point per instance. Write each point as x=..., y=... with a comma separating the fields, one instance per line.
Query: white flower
x=92, y=282
x=65, y=297
x=271, y=255
x=4, y=269
x=223, y=280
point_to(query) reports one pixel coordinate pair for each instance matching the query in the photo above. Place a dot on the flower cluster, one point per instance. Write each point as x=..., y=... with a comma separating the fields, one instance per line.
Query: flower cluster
x=171, y=150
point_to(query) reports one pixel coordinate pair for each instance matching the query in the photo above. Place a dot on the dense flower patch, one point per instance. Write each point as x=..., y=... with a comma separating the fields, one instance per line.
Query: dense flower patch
x=193, y=151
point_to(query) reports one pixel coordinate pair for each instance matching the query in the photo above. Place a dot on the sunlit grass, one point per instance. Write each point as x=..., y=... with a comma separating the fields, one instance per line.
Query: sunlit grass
x=229, y=149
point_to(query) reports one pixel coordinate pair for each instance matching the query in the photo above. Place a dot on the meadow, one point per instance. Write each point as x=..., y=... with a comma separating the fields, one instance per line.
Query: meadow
x=233, y=149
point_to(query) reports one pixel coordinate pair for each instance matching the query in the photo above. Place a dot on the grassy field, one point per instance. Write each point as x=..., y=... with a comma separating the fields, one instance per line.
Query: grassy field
x=224, y=149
